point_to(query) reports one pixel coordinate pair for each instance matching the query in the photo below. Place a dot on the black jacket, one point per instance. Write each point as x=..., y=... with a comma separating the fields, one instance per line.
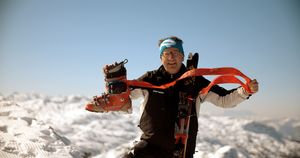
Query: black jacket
x=160, y=113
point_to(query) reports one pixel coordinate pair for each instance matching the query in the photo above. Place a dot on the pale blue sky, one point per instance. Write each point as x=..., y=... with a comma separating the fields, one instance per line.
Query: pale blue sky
x=59, y=47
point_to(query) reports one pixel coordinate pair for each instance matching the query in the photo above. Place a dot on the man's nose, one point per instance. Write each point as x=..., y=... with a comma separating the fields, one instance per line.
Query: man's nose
x=171, y=56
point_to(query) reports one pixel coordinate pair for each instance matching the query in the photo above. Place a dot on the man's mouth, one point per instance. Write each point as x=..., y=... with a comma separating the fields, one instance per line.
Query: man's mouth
x=172, y=64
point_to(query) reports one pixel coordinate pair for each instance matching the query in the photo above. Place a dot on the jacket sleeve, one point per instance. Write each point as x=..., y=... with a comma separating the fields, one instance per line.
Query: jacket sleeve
x=140, y=93
x=221, y=97
x=224, y=98
x=137, y=93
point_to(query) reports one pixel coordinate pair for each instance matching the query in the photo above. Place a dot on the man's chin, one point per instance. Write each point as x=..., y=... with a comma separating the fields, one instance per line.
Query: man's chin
x=172, y=71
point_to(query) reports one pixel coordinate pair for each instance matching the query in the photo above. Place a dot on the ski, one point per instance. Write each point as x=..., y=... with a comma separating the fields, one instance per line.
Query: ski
x=186, y=101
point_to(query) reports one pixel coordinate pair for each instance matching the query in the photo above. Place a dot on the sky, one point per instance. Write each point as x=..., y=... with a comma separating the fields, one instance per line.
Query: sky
x=59, y=47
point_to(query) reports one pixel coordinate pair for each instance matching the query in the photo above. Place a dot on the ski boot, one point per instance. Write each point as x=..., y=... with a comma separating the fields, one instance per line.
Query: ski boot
x=116, y=97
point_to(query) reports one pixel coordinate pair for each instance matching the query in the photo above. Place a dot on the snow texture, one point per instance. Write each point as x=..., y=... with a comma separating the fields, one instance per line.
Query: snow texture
x=33, y=125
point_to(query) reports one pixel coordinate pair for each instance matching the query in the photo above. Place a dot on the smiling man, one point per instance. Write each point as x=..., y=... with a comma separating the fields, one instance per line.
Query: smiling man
x=159, y=111
x=171, y=54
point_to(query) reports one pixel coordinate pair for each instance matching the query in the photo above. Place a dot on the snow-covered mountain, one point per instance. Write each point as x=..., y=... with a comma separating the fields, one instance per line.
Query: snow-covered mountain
x=33, y=125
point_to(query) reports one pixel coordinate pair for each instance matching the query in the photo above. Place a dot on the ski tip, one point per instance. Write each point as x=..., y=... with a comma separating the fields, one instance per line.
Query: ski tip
x=190, y=56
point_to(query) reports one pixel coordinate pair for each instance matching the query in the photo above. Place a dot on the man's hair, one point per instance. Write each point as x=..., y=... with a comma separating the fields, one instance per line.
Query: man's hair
x=176, y=39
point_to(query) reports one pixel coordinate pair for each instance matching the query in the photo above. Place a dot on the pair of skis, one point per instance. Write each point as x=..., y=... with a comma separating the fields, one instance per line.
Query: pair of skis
x=184, y=113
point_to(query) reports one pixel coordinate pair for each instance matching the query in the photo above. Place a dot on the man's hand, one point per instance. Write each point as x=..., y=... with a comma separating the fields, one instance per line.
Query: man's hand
x=253, y=85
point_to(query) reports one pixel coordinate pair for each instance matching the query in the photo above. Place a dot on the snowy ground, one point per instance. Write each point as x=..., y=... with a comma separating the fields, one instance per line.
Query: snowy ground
x=33, y=125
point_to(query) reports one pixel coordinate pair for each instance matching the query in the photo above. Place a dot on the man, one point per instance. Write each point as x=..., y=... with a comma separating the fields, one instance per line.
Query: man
x=160, y=107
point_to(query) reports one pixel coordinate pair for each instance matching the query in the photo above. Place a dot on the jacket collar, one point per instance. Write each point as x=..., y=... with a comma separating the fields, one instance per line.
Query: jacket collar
x=171, y=77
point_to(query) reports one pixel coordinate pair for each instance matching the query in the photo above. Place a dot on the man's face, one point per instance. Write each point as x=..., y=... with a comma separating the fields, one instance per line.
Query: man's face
x=171, y=59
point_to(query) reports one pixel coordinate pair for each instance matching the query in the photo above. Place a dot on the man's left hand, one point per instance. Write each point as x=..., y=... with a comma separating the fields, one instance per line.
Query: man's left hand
x=253, y=85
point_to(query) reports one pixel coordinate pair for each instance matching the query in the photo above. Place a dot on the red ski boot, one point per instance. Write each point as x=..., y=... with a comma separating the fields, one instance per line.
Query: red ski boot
x=116, y=97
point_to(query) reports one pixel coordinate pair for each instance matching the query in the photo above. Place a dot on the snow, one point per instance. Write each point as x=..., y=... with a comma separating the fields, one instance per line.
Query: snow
x=34, y=125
